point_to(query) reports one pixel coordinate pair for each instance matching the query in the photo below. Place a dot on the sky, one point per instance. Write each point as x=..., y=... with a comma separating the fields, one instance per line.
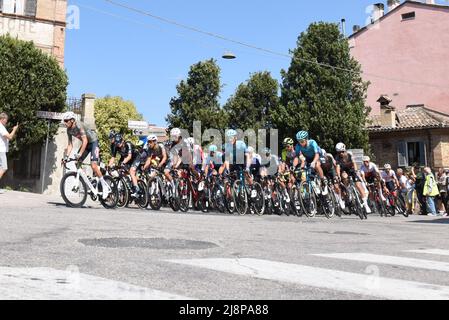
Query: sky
x=121, y=53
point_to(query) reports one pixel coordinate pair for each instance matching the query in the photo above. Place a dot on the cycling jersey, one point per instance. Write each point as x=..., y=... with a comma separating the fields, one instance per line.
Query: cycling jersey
x=157, y=151
x=369, y=171
x=308, y=151
x=236, y=153
x=80, y=131
x=272, y=160
x=214, y=162
x=388, y=177
x=198, y=155
x=176, y=150
x=328, y=165
x=288, y=157
x=124, y=152
x=345, y=162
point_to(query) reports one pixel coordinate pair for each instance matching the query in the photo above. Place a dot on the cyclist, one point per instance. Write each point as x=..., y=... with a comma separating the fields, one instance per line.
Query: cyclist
x=311, y=152
x=213, y=162
x=128, y=154
x=198, y=155
x=180, y=154
x=289, y=160
x=390, y=180
x=345, y=163
x=236, y=153
x=256, y=162
x=269, y=164
x=329, y=166
x=89, y=146
x=157, y=154
x=371, y=175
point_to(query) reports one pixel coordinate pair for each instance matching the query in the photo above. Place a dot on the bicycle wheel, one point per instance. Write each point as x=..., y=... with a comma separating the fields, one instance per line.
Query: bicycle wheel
x=229, y=198
x=240, y=198
x=328, y=205
x=123, y=193
x=155, y=195
x=218, y=198
x=73, y=192
x=142, y=198
x=295, y=198
x=360, y=210
x=401, y=206
x=184, y=195
x=308, y=199
x=258, y=203
x=174, y=200
x=391, y=210
x=111, y=201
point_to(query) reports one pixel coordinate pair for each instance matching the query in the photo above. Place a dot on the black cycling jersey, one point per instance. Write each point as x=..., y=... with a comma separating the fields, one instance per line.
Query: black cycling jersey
x=157, y=151
x=345, y=162
x=125, y=151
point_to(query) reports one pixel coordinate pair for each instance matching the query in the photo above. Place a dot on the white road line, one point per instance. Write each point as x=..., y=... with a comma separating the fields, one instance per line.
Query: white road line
x=390, y=260
x=51, y=284
x=361, y=284
x=439, y=252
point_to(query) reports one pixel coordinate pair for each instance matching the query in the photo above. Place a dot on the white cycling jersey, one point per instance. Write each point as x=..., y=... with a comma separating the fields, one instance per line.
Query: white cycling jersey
x=388, y=177
x=369, y=170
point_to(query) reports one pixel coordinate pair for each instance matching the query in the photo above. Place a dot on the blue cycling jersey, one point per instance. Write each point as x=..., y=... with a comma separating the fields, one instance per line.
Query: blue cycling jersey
x=310, y=150
x=215, y=161
x=236, y=153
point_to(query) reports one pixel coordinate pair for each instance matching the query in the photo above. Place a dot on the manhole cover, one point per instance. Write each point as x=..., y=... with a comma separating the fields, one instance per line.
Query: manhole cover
x=148, y=243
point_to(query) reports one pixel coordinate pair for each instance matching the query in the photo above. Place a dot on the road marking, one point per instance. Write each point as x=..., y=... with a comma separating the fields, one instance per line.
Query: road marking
x=439, y=252
x=390, y=260
x=52, y=284
x=361, y=284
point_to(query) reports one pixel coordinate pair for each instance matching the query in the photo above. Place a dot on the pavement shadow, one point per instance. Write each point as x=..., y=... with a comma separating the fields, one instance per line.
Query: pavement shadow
x=62, y=204
x=437, y=221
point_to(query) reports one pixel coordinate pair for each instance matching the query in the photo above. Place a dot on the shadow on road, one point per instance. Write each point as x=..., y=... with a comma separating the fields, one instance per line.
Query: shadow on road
x=437, y=221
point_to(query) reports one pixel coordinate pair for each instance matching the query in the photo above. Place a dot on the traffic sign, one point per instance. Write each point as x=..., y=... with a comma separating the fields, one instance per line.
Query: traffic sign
x=137, y=125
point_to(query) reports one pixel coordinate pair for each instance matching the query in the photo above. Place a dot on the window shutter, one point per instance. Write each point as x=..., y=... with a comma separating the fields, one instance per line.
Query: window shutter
x=30, y=8
x=422, y=154
x=402, y=154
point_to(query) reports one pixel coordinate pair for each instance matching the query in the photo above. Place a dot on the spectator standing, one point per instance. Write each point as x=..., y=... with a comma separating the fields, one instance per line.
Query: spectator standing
x=430, y=191
x=442, y=187
x=420, y=179
x=5, y=137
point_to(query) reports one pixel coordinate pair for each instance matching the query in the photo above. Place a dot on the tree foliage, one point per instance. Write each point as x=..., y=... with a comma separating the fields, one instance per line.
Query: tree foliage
x=254, y=101
x=198, y=99
x=113, y=113
x=327, y=102
x=30, y=80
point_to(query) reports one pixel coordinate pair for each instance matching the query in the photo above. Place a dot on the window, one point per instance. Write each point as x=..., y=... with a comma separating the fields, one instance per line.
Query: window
x=19, y=7
x=408, y=16
x=410, y=153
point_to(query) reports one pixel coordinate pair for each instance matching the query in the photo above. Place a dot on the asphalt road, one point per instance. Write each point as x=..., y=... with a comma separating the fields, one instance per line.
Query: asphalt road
x=49, y=251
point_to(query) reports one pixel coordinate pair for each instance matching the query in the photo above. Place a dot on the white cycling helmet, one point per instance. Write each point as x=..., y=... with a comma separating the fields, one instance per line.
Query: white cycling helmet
x=366, y=159
x=250, y=150
x=68, y=116
x=175, y=133
x=152, y=138
x=341, y=147
x=387, y=166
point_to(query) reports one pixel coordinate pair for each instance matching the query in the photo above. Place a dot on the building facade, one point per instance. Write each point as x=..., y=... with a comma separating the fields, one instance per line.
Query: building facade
x=404, y=54
x=40, y=21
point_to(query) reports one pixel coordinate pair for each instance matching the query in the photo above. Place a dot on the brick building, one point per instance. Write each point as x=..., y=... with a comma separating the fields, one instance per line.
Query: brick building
x=40, y=21
x=414, y=135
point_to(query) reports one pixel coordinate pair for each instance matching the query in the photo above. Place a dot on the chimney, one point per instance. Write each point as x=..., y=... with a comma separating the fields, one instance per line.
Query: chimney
x=378, y=12
x=393, y=4
x=387, y=112
x=343, y=27
x=355, y=28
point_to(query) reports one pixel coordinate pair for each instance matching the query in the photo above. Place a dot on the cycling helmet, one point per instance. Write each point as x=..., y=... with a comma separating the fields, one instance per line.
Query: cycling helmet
x=140, y=144
x=175, y=133
x=302, y=135
x=250, y=150
x=288, y=142
x=152, y=138
x=231, y=133
x=118, y=139
x=68, y=116
x=341, y=147
x=366, y=159
x=387, y=166
x=112, y=134
x=213, y=148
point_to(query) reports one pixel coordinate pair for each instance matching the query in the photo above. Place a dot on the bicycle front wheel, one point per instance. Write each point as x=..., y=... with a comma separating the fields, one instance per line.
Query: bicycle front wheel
x=240, y=198
x=308, y=199
x=111, y=201
x=73, y=190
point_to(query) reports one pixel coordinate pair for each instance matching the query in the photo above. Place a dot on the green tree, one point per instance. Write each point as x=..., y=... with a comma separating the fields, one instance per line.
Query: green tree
x=198, y=99
x=254, y=101
x=327, y=102
x=30, y=80
x=113, y=113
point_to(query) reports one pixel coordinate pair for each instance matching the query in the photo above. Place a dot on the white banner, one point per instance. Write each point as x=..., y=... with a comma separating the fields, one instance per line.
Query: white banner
x=53, y=115
x=40, y=33
x=138, y=125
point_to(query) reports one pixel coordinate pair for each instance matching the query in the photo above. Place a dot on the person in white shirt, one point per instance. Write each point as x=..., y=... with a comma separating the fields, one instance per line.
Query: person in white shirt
x=5, y=137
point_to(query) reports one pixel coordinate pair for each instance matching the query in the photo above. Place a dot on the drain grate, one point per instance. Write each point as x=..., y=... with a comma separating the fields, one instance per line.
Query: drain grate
x=148, y=243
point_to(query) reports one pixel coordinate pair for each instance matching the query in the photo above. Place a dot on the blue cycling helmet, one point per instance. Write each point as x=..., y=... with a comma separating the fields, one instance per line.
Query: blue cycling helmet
x=302, y=135
x=112, y=134
x=231, y=133
x=118, y=139
x=213, y=148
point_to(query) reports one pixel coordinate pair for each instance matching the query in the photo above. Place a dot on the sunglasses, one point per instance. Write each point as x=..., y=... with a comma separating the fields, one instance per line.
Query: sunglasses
x=67, y=121
x=302, y=141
